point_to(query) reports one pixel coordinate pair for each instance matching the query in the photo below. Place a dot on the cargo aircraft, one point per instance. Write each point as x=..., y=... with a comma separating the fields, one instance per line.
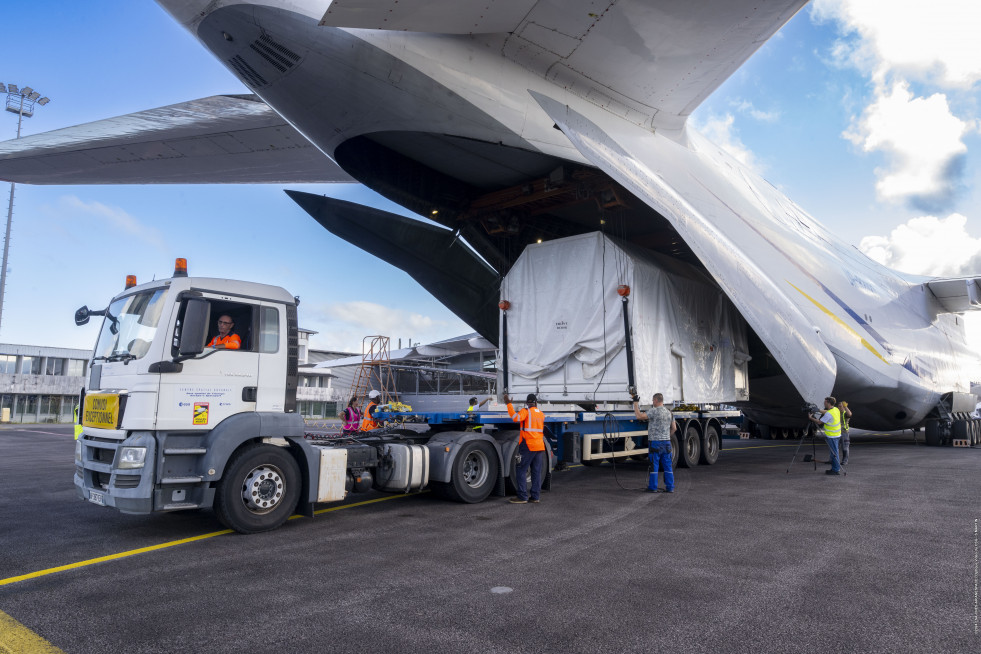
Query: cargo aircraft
x=509, y=121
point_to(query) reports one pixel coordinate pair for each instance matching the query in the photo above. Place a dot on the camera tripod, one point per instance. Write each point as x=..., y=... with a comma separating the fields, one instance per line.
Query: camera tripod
x=812, y=432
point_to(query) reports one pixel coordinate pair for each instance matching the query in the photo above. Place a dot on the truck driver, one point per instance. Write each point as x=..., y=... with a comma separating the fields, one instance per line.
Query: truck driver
x=225, y=339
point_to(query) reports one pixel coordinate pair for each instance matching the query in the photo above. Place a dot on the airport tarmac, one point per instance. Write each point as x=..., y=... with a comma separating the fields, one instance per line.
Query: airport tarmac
x=744, y=557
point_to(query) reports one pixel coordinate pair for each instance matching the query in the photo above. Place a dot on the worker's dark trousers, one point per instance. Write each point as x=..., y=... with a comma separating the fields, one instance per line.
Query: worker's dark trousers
x=660, y=454
x=535, y=460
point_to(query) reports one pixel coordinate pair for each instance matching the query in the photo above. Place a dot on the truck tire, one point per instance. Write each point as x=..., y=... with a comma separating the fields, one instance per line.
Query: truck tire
x=675, y=449
x=710, y=446
x=259, y=490
x=474, y=473
x=691, y=447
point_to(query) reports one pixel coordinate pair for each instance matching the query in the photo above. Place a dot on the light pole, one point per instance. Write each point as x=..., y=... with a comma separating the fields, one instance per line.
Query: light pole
x=20, y=102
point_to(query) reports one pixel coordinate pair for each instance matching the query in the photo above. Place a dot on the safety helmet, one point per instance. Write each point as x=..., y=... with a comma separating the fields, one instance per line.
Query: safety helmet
x=373, y=394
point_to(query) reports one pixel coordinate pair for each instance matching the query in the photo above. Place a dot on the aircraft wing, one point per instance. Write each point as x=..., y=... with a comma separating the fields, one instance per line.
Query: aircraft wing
x=231, y=139
x=669, y=177
x=650, y=61
x=957, y=295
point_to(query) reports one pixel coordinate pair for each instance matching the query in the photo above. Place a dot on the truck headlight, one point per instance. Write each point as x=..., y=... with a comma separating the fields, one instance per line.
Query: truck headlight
x=131, y=457
x=78, y=452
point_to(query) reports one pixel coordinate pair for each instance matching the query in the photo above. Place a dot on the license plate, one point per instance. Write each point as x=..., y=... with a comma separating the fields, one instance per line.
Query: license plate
x=97, y=498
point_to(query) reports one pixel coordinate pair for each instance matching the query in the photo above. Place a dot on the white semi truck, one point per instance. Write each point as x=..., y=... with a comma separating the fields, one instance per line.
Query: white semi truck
x=169, y=423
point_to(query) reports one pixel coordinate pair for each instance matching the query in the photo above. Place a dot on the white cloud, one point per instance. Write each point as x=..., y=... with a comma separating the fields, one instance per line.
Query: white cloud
x=720, y=131
x=114, y=219
x=892, y=41
x=928, y=245
x=343, y=325
x=747, y=107
x=936, y=41
x=932, y=246
x=923, y=140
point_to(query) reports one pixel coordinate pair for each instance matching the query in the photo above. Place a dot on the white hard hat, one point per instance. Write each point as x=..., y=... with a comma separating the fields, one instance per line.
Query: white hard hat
x=373, y=394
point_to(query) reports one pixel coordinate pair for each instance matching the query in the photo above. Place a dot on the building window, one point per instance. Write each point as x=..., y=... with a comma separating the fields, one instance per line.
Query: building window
x=76, y=368
x=8, y=364
x=55, y=366
x=30, y=366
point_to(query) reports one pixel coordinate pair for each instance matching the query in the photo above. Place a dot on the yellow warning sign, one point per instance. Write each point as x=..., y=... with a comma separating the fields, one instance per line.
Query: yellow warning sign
x=101, y=411
x=200, y=413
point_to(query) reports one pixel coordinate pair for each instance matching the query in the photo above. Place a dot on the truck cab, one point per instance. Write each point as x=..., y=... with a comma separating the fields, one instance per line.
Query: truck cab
x=162, y=411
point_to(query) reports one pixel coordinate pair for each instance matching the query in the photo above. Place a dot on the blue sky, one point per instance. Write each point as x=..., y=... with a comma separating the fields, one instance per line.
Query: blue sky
x=861, y=111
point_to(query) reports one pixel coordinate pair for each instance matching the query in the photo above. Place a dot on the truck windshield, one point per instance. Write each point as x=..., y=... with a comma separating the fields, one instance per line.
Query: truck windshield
x=129, y=326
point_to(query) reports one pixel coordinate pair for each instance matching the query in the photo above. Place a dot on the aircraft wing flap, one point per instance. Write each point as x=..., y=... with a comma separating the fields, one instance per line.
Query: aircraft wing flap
x=436, y=16
x=221, y=139
x=640, y=161
x=957, y=295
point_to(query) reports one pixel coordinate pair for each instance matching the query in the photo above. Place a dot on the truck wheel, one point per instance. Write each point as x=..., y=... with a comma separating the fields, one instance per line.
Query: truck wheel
x=259, y=490
x=691, y=448
x=710, y=446
x=674, y=452
x=474, y=473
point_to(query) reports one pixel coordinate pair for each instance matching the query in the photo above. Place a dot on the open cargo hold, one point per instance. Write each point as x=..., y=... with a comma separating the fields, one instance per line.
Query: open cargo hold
x=565, y=326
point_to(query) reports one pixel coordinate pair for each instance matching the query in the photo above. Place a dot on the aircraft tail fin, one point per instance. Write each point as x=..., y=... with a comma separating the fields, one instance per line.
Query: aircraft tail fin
x=433, y=256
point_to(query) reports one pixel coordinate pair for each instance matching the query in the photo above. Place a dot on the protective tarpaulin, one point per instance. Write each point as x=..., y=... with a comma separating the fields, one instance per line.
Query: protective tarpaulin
x=566, y=337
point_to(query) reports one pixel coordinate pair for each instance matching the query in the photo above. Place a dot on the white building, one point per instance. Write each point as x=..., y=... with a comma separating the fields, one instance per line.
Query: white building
x=40, y=384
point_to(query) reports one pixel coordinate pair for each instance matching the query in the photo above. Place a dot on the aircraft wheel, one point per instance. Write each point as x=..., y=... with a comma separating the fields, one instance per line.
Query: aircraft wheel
x=932, y=433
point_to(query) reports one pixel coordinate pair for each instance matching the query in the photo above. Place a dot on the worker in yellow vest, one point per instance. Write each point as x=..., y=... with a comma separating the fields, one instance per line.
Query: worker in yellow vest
x=531, y=448
x=78, y=425
x=830, y=420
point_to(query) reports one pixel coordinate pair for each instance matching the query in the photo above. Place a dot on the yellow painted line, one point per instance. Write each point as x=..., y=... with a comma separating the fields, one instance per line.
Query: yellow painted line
x=15, y=638
x=841, y=322
x=173, y=543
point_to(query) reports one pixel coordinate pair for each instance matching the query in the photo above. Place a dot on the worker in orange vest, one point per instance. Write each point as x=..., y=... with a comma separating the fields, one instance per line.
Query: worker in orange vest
x=531, y=449
x=225, y=338
x=368, y=422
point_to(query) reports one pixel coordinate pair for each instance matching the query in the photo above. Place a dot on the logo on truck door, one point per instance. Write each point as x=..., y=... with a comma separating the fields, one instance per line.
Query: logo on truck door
x=200, y=413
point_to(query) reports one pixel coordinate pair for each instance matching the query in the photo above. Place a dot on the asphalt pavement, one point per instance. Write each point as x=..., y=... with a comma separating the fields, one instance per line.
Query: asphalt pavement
x=744, y=557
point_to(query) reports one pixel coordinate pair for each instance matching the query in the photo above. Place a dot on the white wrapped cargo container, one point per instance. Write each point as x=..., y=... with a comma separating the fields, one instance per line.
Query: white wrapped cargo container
x=565, y=326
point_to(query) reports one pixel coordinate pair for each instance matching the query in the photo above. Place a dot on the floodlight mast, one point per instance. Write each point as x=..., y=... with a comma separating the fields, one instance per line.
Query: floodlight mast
x=20, y=102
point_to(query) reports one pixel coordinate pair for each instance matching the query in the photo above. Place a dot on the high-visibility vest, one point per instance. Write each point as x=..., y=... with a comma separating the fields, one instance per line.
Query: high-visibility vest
x=230, y=342
x=78, y=426
x=475, y=425
x=532, y=427
x=368, y=421
x=351, y=418
x=833, y=429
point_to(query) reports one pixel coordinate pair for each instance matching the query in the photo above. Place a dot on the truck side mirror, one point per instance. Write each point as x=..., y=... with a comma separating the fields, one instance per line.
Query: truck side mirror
x=82, y=316
x=194, y=327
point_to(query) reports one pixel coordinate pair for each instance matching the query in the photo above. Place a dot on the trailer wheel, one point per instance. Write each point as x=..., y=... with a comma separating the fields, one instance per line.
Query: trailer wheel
x=674, y=451
x=691, y=447
x=710, y=446
x=474, y=473
x=259, y=490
